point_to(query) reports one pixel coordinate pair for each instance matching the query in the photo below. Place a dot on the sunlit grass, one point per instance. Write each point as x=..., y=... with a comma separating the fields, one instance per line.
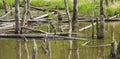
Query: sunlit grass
x=85, y=7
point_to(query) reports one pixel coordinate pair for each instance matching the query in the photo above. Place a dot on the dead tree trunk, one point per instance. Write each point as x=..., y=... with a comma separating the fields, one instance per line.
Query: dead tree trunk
x=5, y=6
x=100, y=31
x=24, y=16
x=17, y=27
x=70, y=26
x=75, y=48
x=28, y=9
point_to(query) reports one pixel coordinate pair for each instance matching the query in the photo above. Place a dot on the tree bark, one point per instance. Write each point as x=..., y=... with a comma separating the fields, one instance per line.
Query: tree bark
x=75, y=48
x=5, y=6
x=100, y=29
x=17, y=28
x=24, y=17
x=70, y=26
x=28, y=9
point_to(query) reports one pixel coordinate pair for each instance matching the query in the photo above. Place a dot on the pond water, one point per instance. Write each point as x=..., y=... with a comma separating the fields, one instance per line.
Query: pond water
x=95, y=49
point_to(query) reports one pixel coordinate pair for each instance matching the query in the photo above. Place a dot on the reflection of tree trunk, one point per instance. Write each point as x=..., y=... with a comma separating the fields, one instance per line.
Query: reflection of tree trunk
x=17, y=28
x=113, y=44
x=35, y=52
x=100, y=50
x=118, y=51
x=5, y=6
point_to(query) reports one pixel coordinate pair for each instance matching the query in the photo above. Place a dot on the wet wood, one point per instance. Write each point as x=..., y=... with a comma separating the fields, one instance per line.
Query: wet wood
x=38, y=36
x=86, y=27
x=70, y=26
x=5, y=6
x=18, y=28
x=6, y=14
x=42, y=16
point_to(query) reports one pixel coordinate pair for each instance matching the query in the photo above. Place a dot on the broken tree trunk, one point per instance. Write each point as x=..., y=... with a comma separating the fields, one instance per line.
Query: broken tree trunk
x=100, y=29
x=5, y=6
x=75, y=48
x=37, y=36
x=24, y=16
x=17, y=28
x=28, y=9
x=70, y=26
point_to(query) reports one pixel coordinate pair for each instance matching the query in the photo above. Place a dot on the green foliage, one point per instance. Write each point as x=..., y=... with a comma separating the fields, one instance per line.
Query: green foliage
x=109, y=11
x=85, y=7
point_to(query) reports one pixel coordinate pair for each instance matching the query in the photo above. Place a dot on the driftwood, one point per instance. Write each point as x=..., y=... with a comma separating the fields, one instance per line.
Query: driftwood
x=86, y=27
x=34, y=30
x=43, y=16
x=9, y=26
x=96, y=46
x=6, y=14
x=39, y=36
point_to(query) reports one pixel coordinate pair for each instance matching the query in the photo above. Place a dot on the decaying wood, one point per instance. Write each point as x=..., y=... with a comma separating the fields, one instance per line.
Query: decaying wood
x=100, y=29
x=7, y=26
x=38, y=36
x=34, y=30
x=70, y=26
x=6, y=14
x=86, y=27
x=5, y=6
x=45, y=15
x=18, y=28
x=75, y=53
x=24, y=16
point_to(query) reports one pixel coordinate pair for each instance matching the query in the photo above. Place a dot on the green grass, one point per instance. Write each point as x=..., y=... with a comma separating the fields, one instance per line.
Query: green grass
x=85, y=7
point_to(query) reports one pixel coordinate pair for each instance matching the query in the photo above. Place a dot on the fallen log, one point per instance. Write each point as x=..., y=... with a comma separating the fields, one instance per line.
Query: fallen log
x=6, y=14
x=8, y=26
x=34, y=30
x=44, y=9
x=39, y=36
x=96, y=46
x=42, y=16
x=86, y=27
